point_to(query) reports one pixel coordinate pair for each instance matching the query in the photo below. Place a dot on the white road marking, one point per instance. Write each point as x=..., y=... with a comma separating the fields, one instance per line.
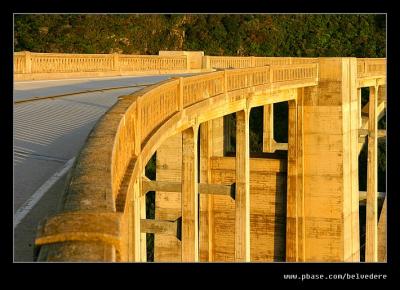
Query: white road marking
x=35, y=198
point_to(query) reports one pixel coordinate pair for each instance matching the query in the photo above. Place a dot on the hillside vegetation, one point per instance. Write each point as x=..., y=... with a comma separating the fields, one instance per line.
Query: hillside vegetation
x=259, y=35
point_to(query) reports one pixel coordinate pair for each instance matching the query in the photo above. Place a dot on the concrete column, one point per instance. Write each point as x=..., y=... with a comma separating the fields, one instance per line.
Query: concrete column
x=211, y=144
x=291, y=211
x=371, y=243
x=190, y=235
x=359, y=108
x=268, y=129
x=330, y=134
x=168, y=204
x=143, y=239
x=242, y=197
x=134, y=224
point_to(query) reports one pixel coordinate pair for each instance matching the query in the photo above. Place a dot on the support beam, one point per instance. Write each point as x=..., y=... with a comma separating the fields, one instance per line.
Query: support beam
x=160, y=227
x=242, y=221
x=363, y=133
x=190, y=219
x=371, y=244
x=203, y=188
x=218, y=189
x=268, y=129
x=363, y=196
x=280, y=146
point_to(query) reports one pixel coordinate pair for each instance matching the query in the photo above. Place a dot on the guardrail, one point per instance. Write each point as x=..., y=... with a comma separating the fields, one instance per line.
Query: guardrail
x=371, y=67
x=35, y=64
x=28, y=62
x=223, y=62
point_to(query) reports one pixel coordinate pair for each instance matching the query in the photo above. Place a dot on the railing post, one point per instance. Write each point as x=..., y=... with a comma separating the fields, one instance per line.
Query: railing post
x=116, y=65
x=225, y=82
x=253, y=61
x=187, y=62
x=180, y=93
x=138, y=128
x=242, y=197
x=28, y=62
x=190, y=217
x=371, y=243
x=206, y=62
x=271, y=75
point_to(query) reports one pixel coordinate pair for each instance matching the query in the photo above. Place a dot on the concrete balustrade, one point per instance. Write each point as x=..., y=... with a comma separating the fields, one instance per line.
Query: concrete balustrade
x=36, y=66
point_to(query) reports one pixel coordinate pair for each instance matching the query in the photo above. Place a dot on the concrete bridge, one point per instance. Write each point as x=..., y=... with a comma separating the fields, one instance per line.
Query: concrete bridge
x=297, y=201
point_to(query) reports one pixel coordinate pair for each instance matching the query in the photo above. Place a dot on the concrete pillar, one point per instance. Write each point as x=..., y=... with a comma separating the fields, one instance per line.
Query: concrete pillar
x=330, y=134
x=134, y=224
x=242, y=197
x=268, y=129
x=143, y=239
x=211, y=144
x=371, y=242
x=168, y=205
x=190, y=235
x=359, y=108
x=295, y=230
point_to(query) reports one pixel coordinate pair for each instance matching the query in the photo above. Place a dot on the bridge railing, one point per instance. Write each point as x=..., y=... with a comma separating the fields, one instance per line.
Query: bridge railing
x=290, y=74
x=157, y=105
x=34, y=63
x=54, y=62
x=222, y=62
x=371, y=67
x=151, y=62
x=198, y=88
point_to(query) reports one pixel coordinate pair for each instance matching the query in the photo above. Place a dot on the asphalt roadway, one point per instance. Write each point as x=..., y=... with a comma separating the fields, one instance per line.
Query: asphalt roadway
x=48, y=134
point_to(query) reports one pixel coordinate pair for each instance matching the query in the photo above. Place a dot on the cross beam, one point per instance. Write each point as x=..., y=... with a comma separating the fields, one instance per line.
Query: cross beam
x=204, y=188
x=172, y=228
